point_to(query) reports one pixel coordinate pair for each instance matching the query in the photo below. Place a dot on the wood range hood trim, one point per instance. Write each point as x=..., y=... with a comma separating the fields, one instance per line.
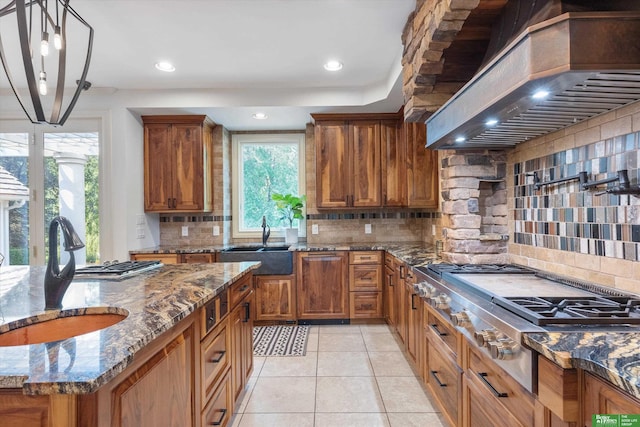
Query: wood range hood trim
x=589, y=62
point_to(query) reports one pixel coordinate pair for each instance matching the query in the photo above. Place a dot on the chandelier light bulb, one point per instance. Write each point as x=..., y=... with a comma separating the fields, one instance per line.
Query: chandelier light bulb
x=44, y=44
x=57, y=38
x=42, y=84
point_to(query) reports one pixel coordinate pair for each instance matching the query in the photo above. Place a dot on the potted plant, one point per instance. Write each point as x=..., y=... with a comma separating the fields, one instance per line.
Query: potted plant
x=290, y=208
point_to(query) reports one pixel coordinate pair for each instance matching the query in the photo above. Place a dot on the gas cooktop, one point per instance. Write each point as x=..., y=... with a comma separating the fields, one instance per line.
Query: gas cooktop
x=439, y=269
x=115, y=269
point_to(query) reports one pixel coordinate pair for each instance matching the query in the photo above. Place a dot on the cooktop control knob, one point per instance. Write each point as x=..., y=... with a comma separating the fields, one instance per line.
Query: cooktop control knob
x=424, y=289
x=503, y=349
x=441, y=301
x=484, y=337
x=460, y=319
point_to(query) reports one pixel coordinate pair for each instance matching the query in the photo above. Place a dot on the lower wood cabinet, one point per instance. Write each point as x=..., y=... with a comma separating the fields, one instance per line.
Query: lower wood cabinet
x=322, y=285
x=219, y=410
x=413, y=315
x=164, y=258
x=444, y=379
x=388, y=291
x=365, y=284
x=161, y=391
x=601, y=397
x=241, y=329
x=275, y=298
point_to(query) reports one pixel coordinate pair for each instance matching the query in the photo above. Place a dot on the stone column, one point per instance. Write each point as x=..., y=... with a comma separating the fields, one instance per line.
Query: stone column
x=71, y=198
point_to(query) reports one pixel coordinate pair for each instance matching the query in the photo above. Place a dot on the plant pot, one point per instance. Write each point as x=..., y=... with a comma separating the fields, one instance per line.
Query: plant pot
x=291, y=236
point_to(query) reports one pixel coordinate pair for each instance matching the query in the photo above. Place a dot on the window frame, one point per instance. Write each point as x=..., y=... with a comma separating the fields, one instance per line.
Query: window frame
x=237, y=141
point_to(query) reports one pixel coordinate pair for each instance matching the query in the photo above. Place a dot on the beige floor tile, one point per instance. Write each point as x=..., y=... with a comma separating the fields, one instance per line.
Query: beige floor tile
x=348, y=394
x=235, y=422
x=312, y=342
x=380, y=342
x=277, y=420
x=282, y=395
x=258, y=361
x=294, y=366
x=390, y=364
x=246, y=394
x=375, y=329
x=339, y=329
x=352, y=420
x=344, y=364
x=341, y=342
x=403, y=394
x=415, y=420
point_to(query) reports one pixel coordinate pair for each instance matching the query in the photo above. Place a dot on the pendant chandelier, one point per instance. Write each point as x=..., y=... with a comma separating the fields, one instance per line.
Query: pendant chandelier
x=45, y=49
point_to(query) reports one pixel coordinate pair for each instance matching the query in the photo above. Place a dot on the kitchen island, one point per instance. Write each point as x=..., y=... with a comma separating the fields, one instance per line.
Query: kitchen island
x=165, y=310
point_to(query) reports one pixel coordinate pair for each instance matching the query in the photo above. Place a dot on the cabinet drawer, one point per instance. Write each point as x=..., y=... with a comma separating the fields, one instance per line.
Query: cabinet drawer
x=198, y=258
x=219, y=409
x=500, y=387
x=365, y=305
x=438, y=329
x=444, y=379
x=239, y=290
x=368, y=257
x=164, y=258
x=214, y=358
x=388, y=260
x=365, y=277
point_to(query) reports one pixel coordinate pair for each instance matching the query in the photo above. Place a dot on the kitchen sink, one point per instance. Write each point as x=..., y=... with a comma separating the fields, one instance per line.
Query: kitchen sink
x=67, y=324
x=274, y=259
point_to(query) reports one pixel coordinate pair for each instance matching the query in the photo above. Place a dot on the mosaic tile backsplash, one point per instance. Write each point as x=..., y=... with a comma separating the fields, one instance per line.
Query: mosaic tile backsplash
x=564, y=216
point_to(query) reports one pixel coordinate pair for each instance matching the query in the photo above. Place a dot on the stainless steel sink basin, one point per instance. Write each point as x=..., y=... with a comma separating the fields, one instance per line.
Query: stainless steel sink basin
x=274, y=259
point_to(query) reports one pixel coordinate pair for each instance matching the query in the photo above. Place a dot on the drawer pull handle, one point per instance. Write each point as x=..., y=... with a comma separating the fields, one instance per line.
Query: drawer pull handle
x=219, y=358
x=218, y=422
x=244, y=288
x=413, y=304
x=496, y=393
x=434, y=326
x=434, y=374
x=365, y=257
x=247, y=312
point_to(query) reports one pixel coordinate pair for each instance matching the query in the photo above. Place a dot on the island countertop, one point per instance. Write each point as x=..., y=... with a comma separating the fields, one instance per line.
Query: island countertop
x=156, y=300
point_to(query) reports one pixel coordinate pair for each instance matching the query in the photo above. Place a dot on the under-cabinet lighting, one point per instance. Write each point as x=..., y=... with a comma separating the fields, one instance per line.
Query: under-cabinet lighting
x=540, y=94
x=491, y=122
x=461, y=139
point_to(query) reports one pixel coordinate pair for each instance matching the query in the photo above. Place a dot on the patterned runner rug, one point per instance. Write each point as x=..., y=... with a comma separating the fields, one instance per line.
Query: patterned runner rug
x=280, y=340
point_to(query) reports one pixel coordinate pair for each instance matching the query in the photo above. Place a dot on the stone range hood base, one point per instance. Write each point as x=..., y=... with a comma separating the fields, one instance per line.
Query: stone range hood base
x=589, y=62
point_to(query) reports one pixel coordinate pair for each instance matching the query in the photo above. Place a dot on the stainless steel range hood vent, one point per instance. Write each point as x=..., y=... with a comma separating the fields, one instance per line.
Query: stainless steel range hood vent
x=588, y=63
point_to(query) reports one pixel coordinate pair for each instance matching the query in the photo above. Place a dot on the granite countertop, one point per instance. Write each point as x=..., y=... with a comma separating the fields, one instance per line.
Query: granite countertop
x=614, y=356
x=156, y=300
x=413, y=253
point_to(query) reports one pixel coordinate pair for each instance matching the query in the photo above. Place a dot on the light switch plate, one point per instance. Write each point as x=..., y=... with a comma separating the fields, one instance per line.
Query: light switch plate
x=140, y=219
x=367, y=229
x=314, y=229
x=433, y=230
x=216, y=230
x=185, y=230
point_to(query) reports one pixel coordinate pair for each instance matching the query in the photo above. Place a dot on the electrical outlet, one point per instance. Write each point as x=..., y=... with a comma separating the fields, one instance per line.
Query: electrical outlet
x=185, y=230
x=140, y=219
x=216, y=230
x=433, y=230
x=367, y=229
x=140, y=232
x=314, y=229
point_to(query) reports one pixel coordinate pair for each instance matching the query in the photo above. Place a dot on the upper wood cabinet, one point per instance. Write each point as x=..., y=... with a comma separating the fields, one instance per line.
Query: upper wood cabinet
x=422, y=168
x=177, y=163
x=348, y=163
x=373, y=160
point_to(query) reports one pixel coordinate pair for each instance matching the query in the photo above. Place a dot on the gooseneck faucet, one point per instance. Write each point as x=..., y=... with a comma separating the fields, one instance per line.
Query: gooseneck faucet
x=56, y=282
x=266, y=231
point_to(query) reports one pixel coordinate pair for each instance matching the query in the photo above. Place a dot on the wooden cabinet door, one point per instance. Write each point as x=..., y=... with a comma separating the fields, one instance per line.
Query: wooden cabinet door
x=414, y=323
x=332, y=164
x=422, y=168
x=366, y=188
x=158, y=167
x=160, y=392
x=401, y=298
x=394, y=164
x=241, y=329
x=188, y=172
x=322, y=290
x=275, y=298
x=601, y=397
x=444, y=379
x=389, y=295
x=480, y=408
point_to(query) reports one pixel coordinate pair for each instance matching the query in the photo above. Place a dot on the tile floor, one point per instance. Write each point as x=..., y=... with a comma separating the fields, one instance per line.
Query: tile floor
x=351, y=376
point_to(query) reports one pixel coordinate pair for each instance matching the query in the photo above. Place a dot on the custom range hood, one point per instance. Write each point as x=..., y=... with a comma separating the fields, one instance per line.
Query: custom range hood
x=555, y=74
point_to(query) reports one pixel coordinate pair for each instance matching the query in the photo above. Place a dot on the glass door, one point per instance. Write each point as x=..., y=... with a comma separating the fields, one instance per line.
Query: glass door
x=65, y=183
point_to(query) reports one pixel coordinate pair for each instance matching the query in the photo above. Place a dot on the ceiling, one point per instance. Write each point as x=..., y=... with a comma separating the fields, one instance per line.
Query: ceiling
x=236, y=57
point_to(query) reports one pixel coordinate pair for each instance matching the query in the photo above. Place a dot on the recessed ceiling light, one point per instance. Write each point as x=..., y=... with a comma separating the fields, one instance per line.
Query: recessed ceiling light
x=333, y=65
x=260, y=116
x=165, y=66
x=540, y=94
x=491, y=122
